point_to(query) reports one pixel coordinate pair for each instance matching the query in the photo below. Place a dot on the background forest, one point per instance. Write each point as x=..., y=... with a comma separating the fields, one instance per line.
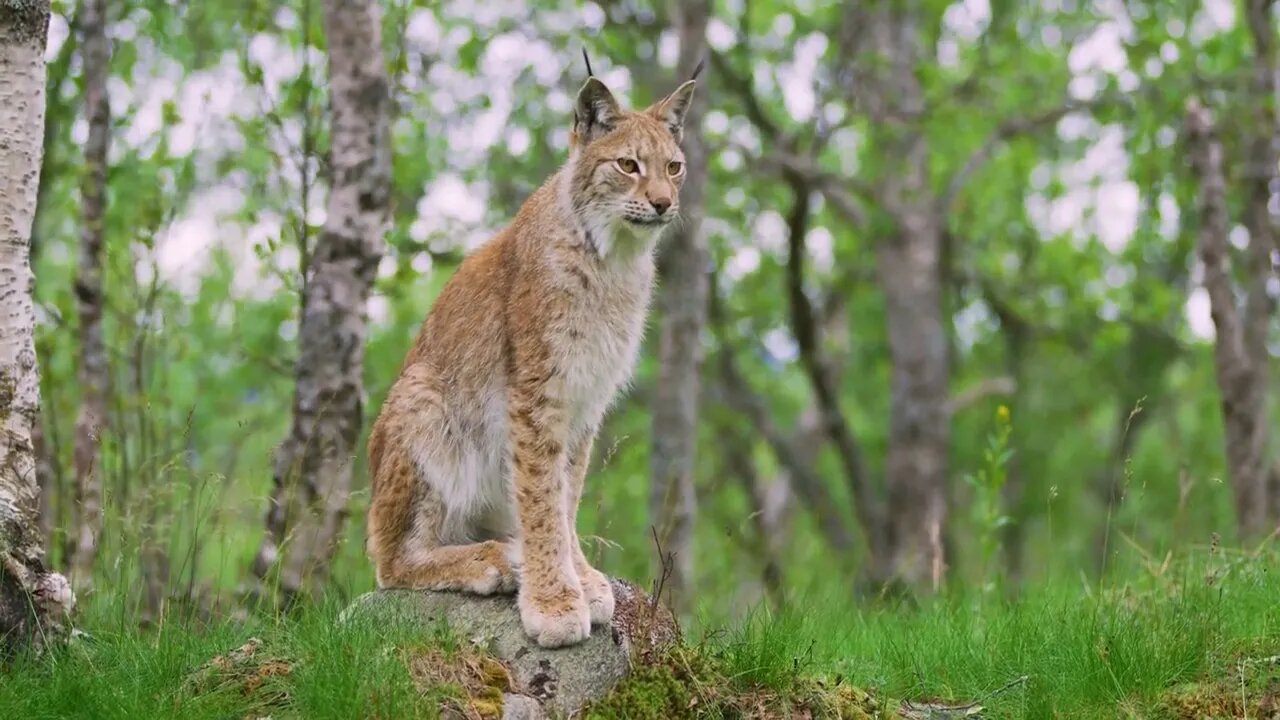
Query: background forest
x=1021, y=216
x=972, y=296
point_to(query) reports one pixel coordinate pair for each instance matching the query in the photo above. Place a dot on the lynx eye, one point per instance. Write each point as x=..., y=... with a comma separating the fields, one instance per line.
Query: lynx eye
x=628, y=166
x=674, y=167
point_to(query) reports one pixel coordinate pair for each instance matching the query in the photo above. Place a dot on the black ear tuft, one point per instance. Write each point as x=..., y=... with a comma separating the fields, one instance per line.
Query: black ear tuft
x=696, y=70
x=587, y=60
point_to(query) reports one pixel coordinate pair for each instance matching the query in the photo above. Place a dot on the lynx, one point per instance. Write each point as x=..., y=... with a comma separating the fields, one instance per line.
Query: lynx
x=479, y=454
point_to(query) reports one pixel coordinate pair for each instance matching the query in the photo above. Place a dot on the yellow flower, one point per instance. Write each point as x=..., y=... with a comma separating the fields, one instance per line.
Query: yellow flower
x=1002, y=414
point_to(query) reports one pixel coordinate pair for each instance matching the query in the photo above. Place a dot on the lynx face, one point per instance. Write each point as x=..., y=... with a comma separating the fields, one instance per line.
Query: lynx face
x=635, y=172
x=626, y=167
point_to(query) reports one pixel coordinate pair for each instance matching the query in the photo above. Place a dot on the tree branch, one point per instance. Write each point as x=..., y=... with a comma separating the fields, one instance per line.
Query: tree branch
x=805, y=328
x=1008, y=130
x=740, y=85
x=846, y=195
x=843, y=193
x=983, y=389
x=807, y=483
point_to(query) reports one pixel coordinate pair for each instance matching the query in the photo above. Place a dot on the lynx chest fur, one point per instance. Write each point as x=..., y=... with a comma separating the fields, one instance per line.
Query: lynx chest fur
x=597, y=344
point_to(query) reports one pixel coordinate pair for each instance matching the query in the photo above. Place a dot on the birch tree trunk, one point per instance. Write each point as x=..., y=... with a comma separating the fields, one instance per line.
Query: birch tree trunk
x=682, y=301
x=33, y=602
x=95, y=51
x=48, y=470
x=312, y=477
x=1241, y=379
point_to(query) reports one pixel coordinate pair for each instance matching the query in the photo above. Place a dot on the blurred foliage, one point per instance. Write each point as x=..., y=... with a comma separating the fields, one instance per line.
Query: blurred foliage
x=1070, y=261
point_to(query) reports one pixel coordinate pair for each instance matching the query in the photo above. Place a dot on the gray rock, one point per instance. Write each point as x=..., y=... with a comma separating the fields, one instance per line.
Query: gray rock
x=556, y=682
x=521, y=707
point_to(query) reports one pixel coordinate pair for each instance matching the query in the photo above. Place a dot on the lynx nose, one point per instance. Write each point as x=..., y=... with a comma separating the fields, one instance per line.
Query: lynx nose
x=660, y=205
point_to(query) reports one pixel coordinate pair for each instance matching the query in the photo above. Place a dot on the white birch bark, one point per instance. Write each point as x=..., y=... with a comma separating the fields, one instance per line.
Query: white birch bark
x=33, y=602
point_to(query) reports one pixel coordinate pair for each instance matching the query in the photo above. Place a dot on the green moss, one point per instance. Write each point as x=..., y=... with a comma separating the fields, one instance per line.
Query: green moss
x=1247, y=686
x=691, y=682
x=463, y=679
x=843, y=701
x=651, y=692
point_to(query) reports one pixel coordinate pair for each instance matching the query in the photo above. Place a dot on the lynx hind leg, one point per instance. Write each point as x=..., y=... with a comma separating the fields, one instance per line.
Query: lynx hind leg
x=404, y=529
x=479, y=568
x=595, y=586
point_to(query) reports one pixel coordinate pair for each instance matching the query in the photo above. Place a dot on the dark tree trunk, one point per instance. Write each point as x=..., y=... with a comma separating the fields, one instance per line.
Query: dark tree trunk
x=312, y=478
x=1241, y=378
x=95, y=52
x=911, y=280
x=1262, y=174
x=916, y=467
x=682, y=303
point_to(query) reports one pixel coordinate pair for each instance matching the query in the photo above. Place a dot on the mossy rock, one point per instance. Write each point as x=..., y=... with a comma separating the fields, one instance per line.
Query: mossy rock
x=560, y=681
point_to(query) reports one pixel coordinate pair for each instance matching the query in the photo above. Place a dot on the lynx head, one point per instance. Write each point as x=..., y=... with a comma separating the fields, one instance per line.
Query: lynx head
x=626, y=167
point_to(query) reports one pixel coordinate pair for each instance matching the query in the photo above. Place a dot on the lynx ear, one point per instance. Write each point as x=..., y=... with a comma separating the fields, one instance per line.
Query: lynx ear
x=672, y=109
x=597, y=111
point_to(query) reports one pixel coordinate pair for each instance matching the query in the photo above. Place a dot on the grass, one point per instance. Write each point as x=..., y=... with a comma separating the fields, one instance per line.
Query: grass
x=309, y=666
x=1083, y=652
x=1167, y=644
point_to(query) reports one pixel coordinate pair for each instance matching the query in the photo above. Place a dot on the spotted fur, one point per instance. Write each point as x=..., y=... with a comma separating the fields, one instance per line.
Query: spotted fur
x=480, y=452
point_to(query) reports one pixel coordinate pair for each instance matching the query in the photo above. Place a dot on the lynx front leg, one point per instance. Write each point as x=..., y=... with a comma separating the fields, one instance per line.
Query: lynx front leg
x=552, y=607
x=595, y=586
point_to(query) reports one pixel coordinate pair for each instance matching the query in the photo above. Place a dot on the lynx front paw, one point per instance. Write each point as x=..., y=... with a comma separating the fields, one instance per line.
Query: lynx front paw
x=563, y=620
x=599, y=595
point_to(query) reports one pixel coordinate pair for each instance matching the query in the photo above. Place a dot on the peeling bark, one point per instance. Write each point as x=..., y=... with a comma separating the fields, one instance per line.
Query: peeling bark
x=33, y=602
x=1241, y=380
x=93, y=372
x=682, y=303
x=312, y=477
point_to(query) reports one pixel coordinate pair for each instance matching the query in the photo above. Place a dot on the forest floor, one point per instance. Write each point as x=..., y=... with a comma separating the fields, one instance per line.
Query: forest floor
x=1186, y=640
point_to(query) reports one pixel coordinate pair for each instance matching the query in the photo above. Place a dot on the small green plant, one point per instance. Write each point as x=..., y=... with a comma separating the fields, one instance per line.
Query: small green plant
x=988, y=509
